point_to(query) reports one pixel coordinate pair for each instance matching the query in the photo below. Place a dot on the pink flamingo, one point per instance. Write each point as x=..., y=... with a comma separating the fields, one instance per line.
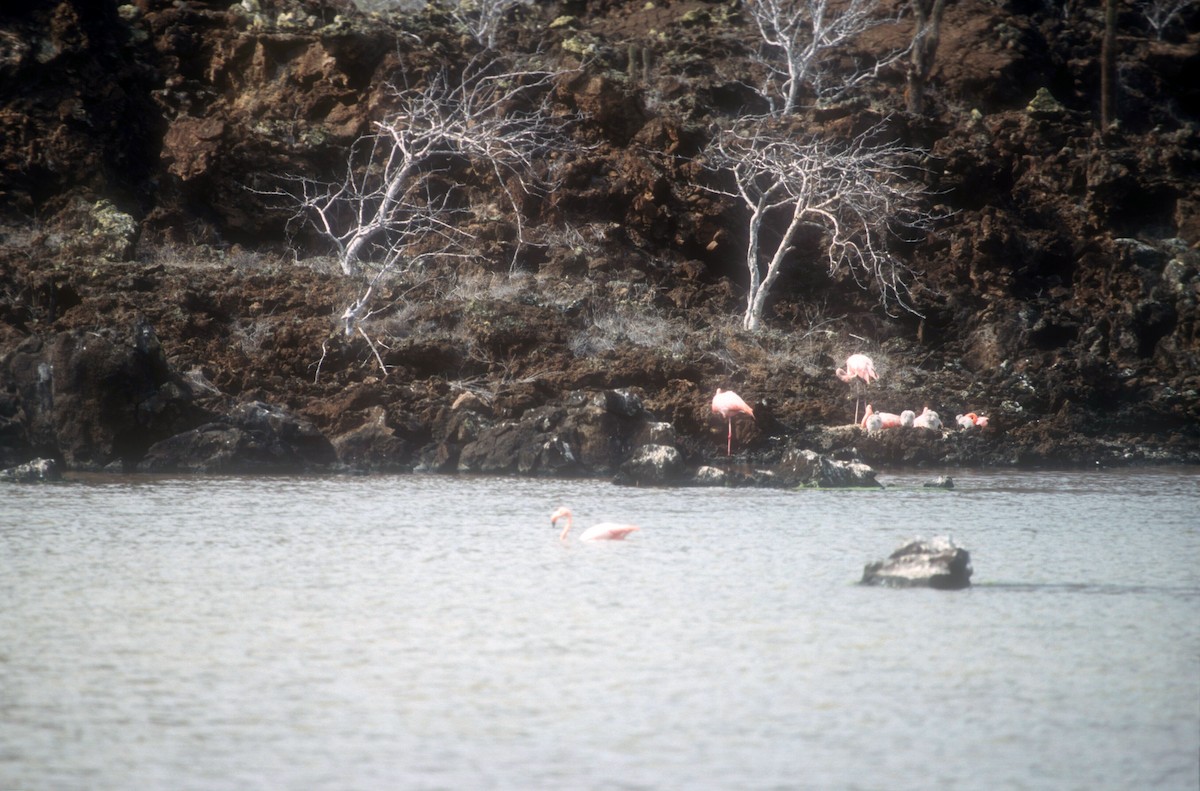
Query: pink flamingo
x=858, y=366
x=971, y=420
x=886, y=419
x=727, y=403
x=605, y=531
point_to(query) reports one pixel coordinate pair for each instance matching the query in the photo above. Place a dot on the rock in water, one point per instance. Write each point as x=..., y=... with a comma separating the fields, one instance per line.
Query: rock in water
x=938, y=563
x=36, y=471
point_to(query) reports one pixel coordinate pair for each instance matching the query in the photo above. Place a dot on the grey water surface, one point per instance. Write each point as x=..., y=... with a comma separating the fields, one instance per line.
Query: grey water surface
x=427, y=632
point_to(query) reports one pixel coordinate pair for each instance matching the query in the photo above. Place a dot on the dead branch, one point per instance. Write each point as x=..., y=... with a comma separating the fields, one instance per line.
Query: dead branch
x=803, y=40
x=860, y=194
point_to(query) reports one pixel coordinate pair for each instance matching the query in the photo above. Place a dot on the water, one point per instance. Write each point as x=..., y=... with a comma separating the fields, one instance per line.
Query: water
x=423, y=632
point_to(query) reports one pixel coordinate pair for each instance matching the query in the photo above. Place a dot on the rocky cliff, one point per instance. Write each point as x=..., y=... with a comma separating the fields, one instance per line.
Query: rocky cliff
x=161, y=304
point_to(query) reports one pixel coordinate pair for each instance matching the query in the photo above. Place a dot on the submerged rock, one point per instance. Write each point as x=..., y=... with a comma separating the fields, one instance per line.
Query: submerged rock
x=938, y=563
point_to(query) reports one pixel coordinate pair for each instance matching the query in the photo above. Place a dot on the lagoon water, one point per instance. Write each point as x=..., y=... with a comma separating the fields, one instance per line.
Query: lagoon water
x=423, y=632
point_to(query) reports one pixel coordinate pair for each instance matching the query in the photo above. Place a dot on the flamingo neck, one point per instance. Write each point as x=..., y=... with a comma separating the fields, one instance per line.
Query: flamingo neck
x=566, y=528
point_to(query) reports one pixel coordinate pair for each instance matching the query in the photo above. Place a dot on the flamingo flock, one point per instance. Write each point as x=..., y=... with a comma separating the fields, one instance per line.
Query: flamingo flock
x=859, y=372
x=874, y=422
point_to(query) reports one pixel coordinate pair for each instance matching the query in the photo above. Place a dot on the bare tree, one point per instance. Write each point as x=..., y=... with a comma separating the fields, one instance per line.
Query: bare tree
x=859, y=195
x=407, y=193
x=926, y=37
x=804, y=37
x=481, y=18
x=400, y=198
x=1108, y=66
x=1161, y=13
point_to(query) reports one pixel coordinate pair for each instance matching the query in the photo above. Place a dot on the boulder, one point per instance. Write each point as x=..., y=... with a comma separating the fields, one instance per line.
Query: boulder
x=593, y=433
x=938, y=563
x=651, y=465
x=803, y=467
x=254, y=437
x=36, y=471
x=94, y=399
x=373, y=447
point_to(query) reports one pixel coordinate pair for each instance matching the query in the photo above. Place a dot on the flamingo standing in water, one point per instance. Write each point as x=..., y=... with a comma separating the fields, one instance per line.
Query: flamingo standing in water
x=727, y=403
x=858, y=366
x=605, y=531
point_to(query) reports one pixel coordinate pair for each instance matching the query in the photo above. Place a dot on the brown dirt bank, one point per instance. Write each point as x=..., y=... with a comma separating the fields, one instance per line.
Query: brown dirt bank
x=1059, y=297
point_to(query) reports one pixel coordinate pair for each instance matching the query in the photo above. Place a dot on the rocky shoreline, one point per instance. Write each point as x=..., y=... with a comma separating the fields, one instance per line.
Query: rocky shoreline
x=157, y=315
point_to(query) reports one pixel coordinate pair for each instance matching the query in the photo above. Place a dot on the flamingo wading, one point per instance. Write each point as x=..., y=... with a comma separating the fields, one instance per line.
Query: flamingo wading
x=605, y=531
x=727, y=403
x=858, y=367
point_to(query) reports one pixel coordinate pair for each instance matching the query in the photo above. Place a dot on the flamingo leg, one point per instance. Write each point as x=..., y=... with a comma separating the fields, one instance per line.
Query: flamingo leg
x=729, y=440
x=859, y=392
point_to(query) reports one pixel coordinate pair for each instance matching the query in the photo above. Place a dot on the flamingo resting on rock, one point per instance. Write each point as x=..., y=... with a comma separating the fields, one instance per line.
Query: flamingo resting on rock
x=886, y=419
x=858, y=367
x=873, y=424
x=604, y=531
x=928, y=419
x=971, y=420
x=727, y=403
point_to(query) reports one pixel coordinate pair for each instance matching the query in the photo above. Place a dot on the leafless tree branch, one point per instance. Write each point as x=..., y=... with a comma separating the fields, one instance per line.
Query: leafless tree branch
x=406, y=195
x=403, y=193
x=803, y=40
x=860, y=195
x=481, y=18
x=1161, y=13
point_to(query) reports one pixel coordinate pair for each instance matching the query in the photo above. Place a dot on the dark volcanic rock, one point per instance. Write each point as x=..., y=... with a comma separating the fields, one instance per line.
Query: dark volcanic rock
x=93, y=399
x=253, y=438
x=36, y=471
x=937, y=563
x=1058, y=292
x=373, y=447
x=652, y=465
x=803, y=467
x=593, y=434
